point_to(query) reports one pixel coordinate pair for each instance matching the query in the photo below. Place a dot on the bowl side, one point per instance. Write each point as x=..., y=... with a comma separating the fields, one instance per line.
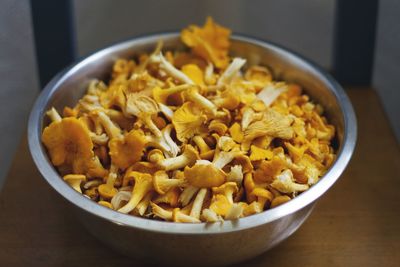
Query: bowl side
x=67, y=87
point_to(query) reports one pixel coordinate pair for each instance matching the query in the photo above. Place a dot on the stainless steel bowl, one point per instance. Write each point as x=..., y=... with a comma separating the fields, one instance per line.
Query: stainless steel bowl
x=195, y=244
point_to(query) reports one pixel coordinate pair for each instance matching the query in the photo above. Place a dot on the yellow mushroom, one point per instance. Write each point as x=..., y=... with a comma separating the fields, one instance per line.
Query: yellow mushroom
x=160, y=212
x=224, y=157
x=75, y=181
x=120, y=199
x=170, y=69
x=142, y=206
x=218, y=126
x=260, y=76
x=198, y=203
x=171, y=197
x=204, y=174
x=260, y=154
x=236, y=132
x=279, y=200
x=210, y=42
x=179, y=216
x=235, y=212
x=161, y=95
x=236, y=175
x=105, y=204
x=107, y=190
x=220, y=205
x=253, y=208
x=201, y=144
x=271, y=92
x=194, y=73
x=285, y=184
x=155, y=155
x=227, y=189
x=69, y=144
x=249, y=115
x=53, y=115
x=193, y=94
x=226, y=143
x=263, y=196
x=269, y=169
x=162, y=183
x=211, y=216
x=209, y=76
x=187, y=194
x=143, y=184
x=143, y=107
x=273, y=124
x=227, y=99
x=127, y=150
x=173, y=148
x=187, y=158
x=188, y=121
x=231, y=71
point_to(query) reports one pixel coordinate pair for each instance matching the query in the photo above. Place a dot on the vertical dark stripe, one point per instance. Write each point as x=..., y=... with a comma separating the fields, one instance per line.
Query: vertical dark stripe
x=354, y=41
x=54, y=31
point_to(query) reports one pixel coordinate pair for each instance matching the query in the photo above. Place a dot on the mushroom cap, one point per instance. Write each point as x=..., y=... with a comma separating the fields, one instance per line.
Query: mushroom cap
x=279, y=200
x=194, y=73
x=260, y=76
x=204, y=174
x=75, y=181
x=210, y=42
x=262, y=193
x=107, y=191
x=226, y=187
x=128, y=150
x=260, y=154
x=68, y=143
x=273, y=124
x=220, y=205
x=268, y=169
x=162, y=183
x=170, y=197
x=188, y=121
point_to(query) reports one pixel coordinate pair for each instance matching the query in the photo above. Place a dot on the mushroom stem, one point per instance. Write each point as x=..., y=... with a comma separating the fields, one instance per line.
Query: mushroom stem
x=110, y=128
x=53, y=115
x=170, y=69
x=231, y=71
x=188, y=157
x=144, y=204
x=187, y=194
x=198, y=203
x=161, y=95
x=201, y=144
x=179, y=216
x=194, y=95
x=160, y=212
x=235, y=212
x=162, y=183
x=143, y=184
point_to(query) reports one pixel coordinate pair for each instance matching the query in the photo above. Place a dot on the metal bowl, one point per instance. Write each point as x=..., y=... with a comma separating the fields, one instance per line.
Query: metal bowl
x=195, y=244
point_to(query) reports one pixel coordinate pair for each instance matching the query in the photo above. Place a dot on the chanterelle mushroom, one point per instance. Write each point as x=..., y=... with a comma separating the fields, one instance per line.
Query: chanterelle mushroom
x=143, y=184
x=210, y=42
x=69, y=144
x=127, y=150
x=143, y=107
x=188, y=157
x=188, y=121
x=205, y=174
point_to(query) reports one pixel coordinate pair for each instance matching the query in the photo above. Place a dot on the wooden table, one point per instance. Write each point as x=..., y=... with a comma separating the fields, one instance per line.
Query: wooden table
x=357, y=223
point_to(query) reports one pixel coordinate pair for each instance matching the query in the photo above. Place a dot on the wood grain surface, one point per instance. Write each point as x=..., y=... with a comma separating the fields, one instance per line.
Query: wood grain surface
x=356, y=223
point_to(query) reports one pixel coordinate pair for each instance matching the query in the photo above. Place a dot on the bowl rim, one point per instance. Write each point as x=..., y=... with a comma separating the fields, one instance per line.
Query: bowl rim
x=306, y=198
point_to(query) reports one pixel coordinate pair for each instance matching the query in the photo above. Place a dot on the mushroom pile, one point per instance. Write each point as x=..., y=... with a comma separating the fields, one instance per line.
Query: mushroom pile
x=191, y=136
